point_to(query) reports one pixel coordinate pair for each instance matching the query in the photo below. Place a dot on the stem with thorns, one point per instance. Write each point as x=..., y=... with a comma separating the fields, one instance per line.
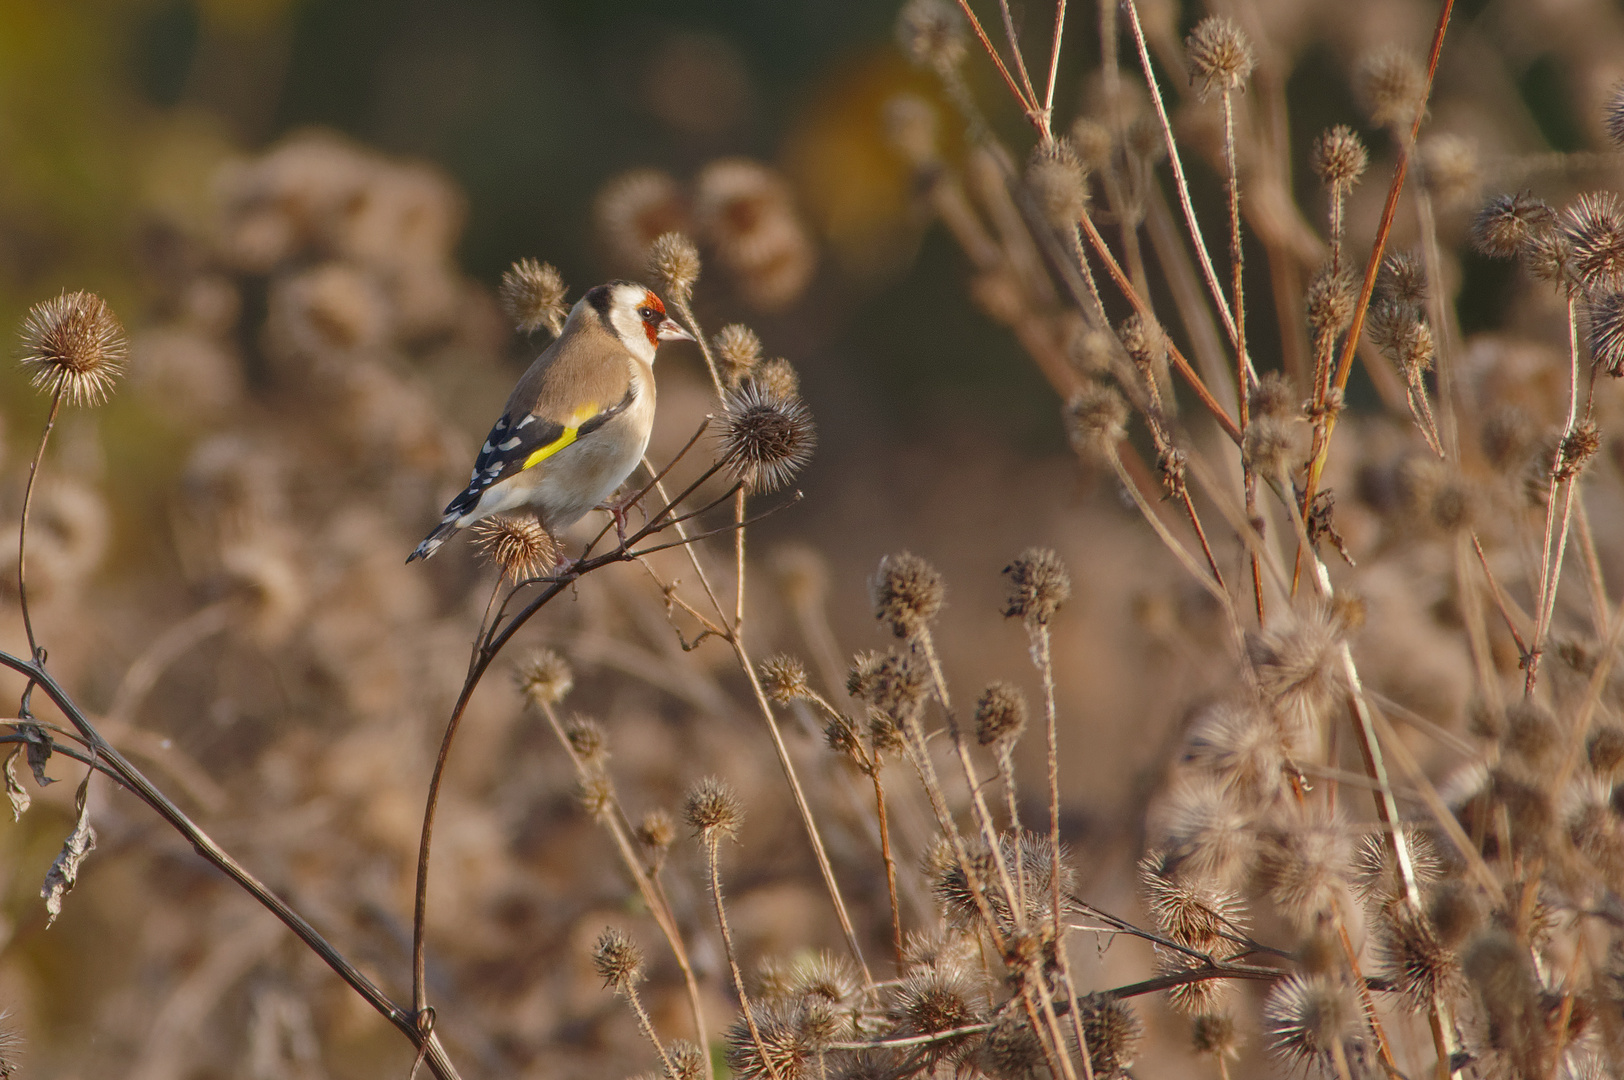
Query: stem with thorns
x=1236, y=265
x=711, y=842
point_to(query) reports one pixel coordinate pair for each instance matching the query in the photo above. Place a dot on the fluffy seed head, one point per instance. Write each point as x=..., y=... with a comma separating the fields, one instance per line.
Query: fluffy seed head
x=1339, y=159
x=1058, y=181
x=618, y=960
x=1112, y=1033
x=1607, y=333
x=1613, y=115
x=767, y=436
x=1403, y=279
x=895, y=683
x=546, y=678
x=739, y=350
x=931, y=32
x=1208, y=834
x=1418, y=964
x=1508, y=222
x=1296, y=663
x=1390, y=83
x=1307, y=1016
x=74, y=346
x=1096, y=419
x=1144, y=340
x=1219, y=55
x=1375, y=868
x=1275, y=396
x=1306, y=866
x=1501, y=972
x=1039, y=584
x=908, y=594
x=519, y=544
x=1329, y=300
x=596, y=794
x=788, y=1049
x=588, y=739
x=1242, y=749
x=1594, y=228
x=675, y=261
x=1215, y=1034
x=712, y=810
x=1000, y=715
x=784, y=678
x=932, y=1000
x=825, y=976
x=1187, y=908
x=1092, y=141
x=657, y=831
x=1578, y=448
x=1531, y=734
x=1605, y=750
x=532, y=294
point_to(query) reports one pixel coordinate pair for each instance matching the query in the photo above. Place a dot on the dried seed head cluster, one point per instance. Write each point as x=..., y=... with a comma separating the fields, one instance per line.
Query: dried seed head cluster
x=785, y=680
x=1391, y=83
x=618, y=960
x=1096, y=420
x=657, y=831
x=1594, y=228
x=712, y=810
x=908, y=594
x=1297, y=663
x=73, y=346
x=1000, y=715
x=589, y=741
x=1039, y=584
x=1059, y=183
x=791, y=1035
x=1112, y=1032
x=1607, y=333
x=546, y=678
x=739, y=350
x=674, y=260
x=519, y=544
x=1310, y=1019
x=1330, y=299
x=1339, y=159
x=1220, y=56
x=1207, y=834
x=1505, y=227
x=533, y=295
x=1403, y=279
x=767, y=436
x=1307, y=864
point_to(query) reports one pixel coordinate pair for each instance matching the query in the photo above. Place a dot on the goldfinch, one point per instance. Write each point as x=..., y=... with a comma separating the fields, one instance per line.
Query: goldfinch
x=577, y=423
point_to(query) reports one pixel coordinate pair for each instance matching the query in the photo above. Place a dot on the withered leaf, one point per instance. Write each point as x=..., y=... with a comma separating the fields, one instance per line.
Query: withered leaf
x=39, y=751
x=64, y=873
x=20, y=800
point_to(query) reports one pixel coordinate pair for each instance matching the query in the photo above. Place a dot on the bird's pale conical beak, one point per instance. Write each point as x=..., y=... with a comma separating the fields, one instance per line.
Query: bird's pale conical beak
x=671, y=330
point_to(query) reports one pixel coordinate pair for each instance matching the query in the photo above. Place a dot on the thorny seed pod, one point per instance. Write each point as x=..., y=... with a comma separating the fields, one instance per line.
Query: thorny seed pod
x=1191, y=910
x=73, y=346
x=1306, y=864
x=657, y=831
x=1000, y=715
x=767, y=437
x=1402, y=336
x=785, y=680
x=1242, y=748
x=1419, y=966
x=532, y=294
x=1096, y=419
x=933, y=1000
x=519, y=544
x=1219, y=55
x=1594, y=228
x=1012, y=1050
x=588, y=740
x=931, y=32
x=546, y=678
x=824, y=976
x=1507, y=223
x=1375, y=868
x=1310, y=1019
x=1613, y=115
x=1039, y=584
x=675, y=261
x=894, y=683
x=1403, y=279
x=1329, y=301
x=1549, y=257
x=1296, y=661
x=1215, y=1035
x=777, y=377
x=712, y=810
x=618, y=960
x=1112, y=1033
x=1339, y=159
x=739, y=350
x=1391, y=84
x=688, y=1058
x=884, y=733
x=1208, y=834
x=1057, y=181
x=788, y=1049
x=841, y=735
x=1200, y=997
x=908, y=594
x=1607, y=333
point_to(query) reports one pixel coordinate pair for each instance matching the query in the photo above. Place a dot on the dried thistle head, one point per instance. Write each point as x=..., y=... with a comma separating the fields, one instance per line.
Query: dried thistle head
x=1275, y=396
x=933, y=1000
x=1391, y=83
x=825, y=976
x=1531, y=734
x=595, y=793
x=1215, y=1035
x=785, y=679
x=908, y=594
x=674, y=260
x=767, y=437
x=1613, y=115
x=1144, y=340
x=1306, y=865
x=778, y=377
x=689, y=1059
x=1000, y=715
x=1193, y=911
x=533, y=294
x=1011, y=1050
x=588, y=739
x=1207, y=832
x=1403, y=279
x=1059, y=183
x=1505, y=226
x=1096, y=419
x=1376, y=876
x=1329, y=300
x=1500, y=970
x=1112, y=1033
x=1339, y=159
x=712, y=810
x=1039, y=584
x=519, y=544
x=1219, y=55
x=546, y=678
x=739, y=350
x=1607, y=333
x=931, y=33
x=894, y=683
x=1594, y=228
x=634, y=208
x=618, y=960
x=1309, y=1019
x=657, y=831
x=1297, y=663
x=790, y=1038
x=73, y=346
x=1243, y=749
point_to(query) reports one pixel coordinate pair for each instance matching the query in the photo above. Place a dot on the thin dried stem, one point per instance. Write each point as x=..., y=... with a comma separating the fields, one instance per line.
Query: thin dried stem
x=22, y=526
x=710, y=843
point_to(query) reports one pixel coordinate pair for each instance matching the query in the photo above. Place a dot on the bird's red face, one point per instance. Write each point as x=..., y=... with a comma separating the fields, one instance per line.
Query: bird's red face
x=655, y=323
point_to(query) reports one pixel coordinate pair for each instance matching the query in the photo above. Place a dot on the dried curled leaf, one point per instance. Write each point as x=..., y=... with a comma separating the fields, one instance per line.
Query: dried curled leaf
x=64, y=873
x=20, y=800
x=39, y=751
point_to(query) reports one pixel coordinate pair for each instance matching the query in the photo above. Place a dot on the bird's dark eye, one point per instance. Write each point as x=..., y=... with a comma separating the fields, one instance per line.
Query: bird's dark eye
x=646, y=314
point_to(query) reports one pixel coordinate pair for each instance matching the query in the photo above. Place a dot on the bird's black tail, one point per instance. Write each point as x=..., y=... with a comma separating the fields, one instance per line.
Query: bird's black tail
x=431, y=543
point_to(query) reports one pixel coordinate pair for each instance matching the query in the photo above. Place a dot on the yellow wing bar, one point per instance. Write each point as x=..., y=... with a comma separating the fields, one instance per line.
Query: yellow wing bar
x=538, y=456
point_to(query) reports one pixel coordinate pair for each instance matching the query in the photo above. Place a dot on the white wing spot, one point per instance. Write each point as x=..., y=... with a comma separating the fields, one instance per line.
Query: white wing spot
x=487, y=448
x=526, y=420
x=510, y=444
